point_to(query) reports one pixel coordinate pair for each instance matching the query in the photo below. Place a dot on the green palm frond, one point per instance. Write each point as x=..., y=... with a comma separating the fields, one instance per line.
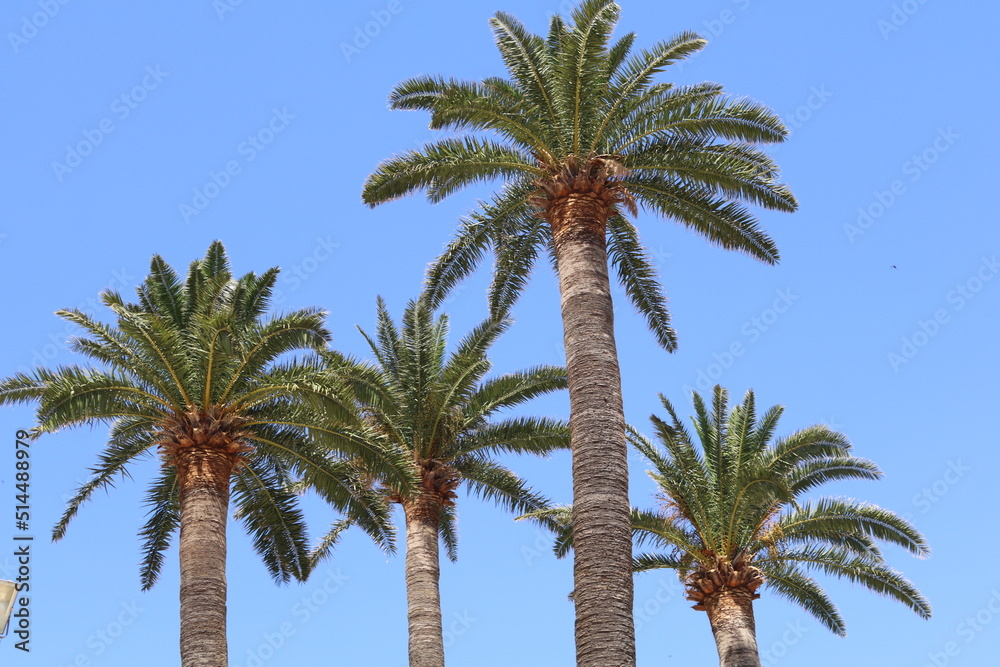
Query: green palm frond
x=164, y=519
x=848, y=517
x=513, y=389
x=791, y=583
x=721, y=221
x=821, y=470
x=559, y=520
x=445, y=166
x=129, y=440
x=518, y=435
x=268, y=509
x=638, y=276
x=205, y=346
x=459, y=259
x=325, y=547
x=517, y=248
x=688, y=153
x=493, y=482
x=449, y=531
x=870, y=573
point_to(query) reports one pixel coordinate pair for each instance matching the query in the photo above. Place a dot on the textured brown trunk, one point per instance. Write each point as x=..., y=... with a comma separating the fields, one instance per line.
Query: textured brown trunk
x=423, y=573
x=203, y=480
x=730, y=611
x=602, y=565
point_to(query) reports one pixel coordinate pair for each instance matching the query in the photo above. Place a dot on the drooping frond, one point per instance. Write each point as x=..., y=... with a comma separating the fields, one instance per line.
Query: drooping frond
x=129, y=440
x=493, y=482
x=268, y=509
x=638, y=276
x=164, y=518
x=873, y=574
x=449, y=531
x=791, y=583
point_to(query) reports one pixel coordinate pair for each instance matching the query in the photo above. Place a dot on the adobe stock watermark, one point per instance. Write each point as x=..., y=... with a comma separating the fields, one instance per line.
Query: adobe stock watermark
x=725, y=18
x=971, y=627
x=751, y=331
x=901, y=14
x=771, y=655
x=223, y=7
x=914, y=168
x=932, y=494
x=667, y=590
x=302, y=612
x=363, y=35
x=458, y=625
x=291, y=278
x=957, y=298
x=121, y=108
x=30, y=25
x=713, y=27
x=102, y=638
x=542, y=546
x=816, y=100
x=58, y=340
x=249, y=149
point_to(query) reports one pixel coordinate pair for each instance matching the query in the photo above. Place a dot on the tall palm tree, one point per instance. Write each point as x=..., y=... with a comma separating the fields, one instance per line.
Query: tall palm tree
x=733, y=519
x=193, y=372
x=580, y=135
x=438, y=409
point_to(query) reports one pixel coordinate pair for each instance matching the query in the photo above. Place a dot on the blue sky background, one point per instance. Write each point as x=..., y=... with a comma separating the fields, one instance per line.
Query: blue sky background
x=893, y=252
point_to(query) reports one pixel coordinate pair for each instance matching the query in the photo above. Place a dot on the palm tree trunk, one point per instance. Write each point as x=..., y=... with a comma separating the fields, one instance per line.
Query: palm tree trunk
x=602, y=565
x=203, y=482
x=730, y=612
x=423, y=572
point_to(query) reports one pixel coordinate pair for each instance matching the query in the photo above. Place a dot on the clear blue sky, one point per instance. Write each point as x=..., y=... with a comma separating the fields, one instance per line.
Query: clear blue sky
x=880, y=320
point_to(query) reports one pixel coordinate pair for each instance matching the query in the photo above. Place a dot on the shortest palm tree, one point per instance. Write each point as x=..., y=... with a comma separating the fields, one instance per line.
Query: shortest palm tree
x=732, y=522
x=438, y=410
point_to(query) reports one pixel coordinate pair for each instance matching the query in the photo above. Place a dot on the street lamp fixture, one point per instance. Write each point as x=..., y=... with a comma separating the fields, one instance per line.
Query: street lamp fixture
x=8, y=592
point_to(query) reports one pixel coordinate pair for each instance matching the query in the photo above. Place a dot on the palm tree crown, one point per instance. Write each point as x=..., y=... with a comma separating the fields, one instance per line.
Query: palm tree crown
x=732, y=515
x=439, y=411
x=580, y=115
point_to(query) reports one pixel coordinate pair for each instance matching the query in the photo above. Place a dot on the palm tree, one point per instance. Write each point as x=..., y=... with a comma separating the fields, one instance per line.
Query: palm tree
x=438, y=410
x=580, y=135
x=732, y=520
x=193, y=371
